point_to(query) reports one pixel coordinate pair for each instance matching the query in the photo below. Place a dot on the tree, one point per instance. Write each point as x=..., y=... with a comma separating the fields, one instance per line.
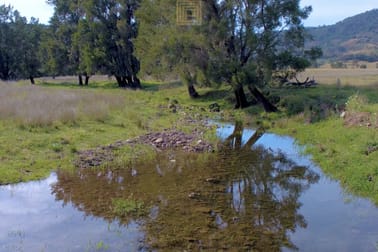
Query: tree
x=114, y=26
x=64, y=47
x=95, y=36
x=19, y=45
x=7, y=42
x=167, y=49
x=238, y=43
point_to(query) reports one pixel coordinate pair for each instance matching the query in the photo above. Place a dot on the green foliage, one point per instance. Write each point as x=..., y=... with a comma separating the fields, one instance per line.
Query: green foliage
x=19, y=45
x=237, y=43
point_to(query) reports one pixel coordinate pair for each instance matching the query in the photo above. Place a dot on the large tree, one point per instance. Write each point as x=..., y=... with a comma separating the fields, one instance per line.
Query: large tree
x=115, y=27
x=95, y=36
x=240, y=42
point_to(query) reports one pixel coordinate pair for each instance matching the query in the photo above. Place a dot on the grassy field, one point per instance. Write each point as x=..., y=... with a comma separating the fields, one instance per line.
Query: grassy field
x=352, y=76
x=44, y=126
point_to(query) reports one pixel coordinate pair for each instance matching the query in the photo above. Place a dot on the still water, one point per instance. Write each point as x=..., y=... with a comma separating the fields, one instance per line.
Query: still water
x=257, y=193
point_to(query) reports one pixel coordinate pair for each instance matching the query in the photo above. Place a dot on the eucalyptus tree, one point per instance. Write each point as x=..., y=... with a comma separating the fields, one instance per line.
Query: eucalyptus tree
x=168, y=49
x=7, y=42
x=19, y=45
x=95, y=36
x=240, y=42
x=114, y=26
x=65, y=54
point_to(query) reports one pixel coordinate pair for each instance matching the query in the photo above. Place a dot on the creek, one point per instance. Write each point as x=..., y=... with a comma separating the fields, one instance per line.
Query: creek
x=258, y=192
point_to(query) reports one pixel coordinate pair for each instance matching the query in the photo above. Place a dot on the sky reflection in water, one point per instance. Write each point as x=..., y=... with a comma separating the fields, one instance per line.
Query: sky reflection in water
x=31, y=220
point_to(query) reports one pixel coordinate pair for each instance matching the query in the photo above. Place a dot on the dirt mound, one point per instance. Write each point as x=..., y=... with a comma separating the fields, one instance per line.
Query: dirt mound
x=167, y=139
x=360, y=119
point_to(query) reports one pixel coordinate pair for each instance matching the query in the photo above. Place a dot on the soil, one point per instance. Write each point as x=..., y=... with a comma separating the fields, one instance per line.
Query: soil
x=360, y=119
x=166, y=139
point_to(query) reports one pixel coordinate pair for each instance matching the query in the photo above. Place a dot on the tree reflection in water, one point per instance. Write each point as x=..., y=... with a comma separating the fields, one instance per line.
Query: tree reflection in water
x=240, y=197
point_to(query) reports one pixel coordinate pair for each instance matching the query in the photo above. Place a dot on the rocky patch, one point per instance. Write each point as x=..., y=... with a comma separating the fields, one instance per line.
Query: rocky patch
x=167, y=139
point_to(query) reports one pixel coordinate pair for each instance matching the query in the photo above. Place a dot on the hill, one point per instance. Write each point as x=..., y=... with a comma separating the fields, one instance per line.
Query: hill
x=354, y=38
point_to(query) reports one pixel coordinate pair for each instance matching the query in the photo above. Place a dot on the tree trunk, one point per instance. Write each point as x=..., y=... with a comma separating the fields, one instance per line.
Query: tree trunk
x=87, y=79
x=268, y=106
x=136, y=82
x=80, y=80
x=192, y=91
x=241, y=100
x=31, y=78
x=121, y=81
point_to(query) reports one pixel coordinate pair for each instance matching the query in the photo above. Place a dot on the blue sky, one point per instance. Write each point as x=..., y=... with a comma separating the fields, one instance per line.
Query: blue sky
x=325, y=12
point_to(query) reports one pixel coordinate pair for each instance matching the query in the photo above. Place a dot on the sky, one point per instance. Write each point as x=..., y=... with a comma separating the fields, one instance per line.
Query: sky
x=325, y=12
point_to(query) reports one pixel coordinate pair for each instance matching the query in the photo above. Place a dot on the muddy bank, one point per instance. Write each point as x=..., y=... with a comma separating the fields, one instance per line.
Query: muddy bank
x=164, y=140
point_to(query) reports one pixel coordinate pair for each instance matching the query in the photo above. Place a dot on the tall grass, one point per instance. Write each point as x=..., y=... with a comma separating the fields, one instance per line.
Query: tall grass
x=38, y=106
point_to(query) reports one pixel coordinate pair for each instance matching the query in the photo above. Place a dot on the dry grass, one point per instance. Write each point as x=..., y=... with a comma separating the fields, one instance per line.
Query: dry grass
x=38, y=106
x=348, y=76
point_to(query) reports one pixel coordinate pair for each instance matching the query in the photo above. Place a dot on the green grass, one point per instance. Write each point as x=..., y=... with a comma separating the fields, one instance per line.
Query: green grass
x=340, y=151
x=37, y=137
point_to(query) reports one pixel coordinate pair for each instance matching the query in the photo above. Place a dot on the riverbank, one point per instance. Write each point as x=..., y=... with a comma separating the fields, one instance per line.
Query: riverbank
x=54, y=126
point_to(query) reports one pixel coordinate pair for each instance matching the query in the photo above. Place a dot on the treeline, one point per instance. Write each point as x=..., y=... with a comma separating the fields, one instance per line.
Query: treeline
x=83, y=38
x=243, y=44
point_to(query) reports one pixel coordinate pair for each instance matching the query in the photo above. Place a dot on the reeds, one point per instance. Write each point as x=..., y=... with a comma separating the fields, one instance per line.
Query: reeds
x=39, y=106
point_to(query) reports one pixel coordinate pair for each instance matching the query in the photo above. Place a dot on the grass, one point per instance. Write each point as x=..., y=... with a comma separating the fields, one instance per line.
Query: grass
x=344, y=76
x=343, y=152
x=38, y=106
x=44, y=126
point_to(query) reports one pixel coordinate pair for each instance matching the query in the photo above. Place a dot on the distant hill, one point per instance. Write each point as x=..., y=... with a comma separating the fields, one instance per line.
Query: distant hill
x=354, y=38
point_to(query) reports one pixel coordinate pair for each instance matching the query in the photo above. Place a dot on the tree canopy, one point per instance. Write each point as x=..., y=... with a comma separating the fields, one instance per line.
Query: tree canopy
x=240, y=43
x=19, y=45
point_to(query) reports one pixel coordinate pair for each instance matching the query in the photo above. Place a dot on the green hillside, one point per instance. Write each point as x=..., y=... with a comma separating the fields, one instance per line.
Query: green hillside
x=354, y=38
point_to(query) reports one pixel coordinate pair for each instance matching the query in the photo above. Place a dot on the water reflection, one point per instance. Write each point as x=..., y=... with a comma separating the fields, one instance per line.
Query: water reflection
x=242, y=197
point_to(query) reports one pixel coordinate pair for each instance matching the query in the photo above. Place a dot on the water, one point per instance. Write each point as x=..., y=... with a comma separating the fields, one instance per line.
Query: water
x=32, y=220
x=258, y=193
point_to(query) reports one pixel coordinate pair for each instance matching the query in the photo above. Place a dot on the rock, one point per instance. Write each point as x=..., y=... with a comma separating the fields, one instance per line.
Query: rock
x=159, y=140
